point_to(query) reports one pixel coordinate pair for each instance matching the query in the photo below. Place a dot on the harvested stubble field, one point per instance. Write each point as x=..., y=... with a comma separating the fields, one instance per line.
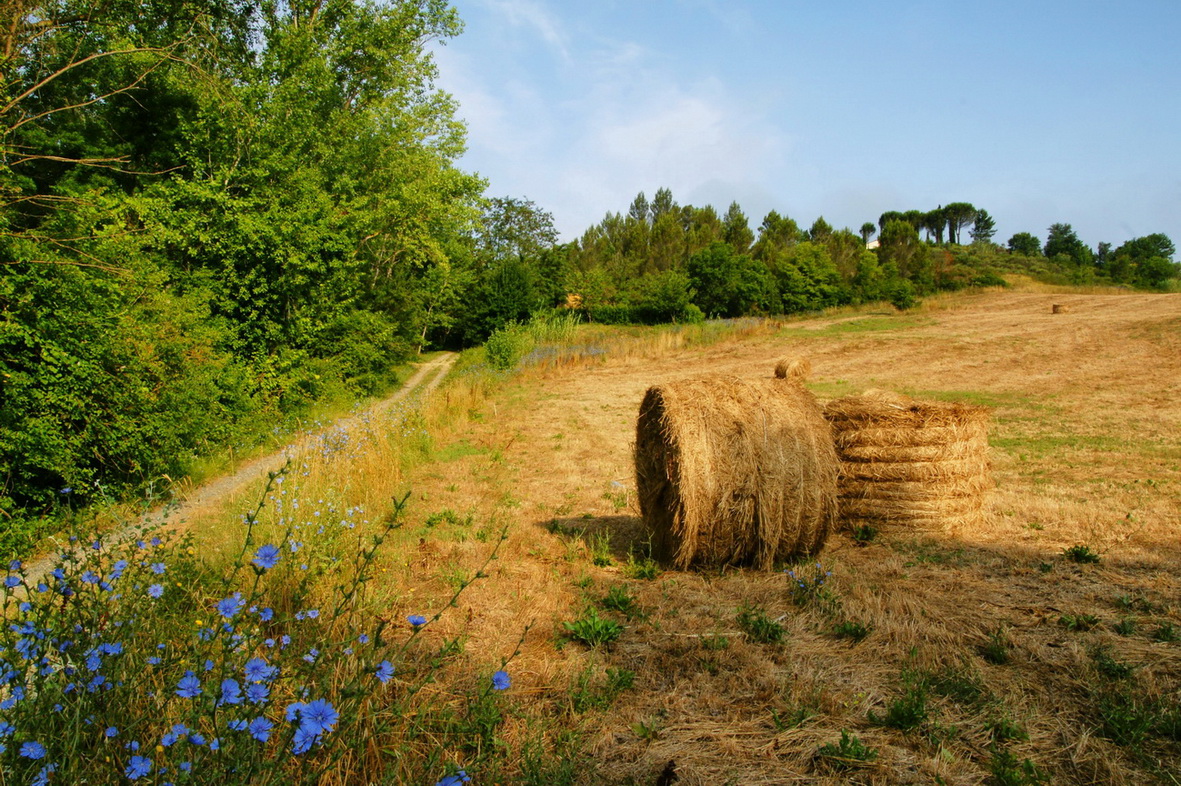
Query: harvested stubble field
x=980, y=656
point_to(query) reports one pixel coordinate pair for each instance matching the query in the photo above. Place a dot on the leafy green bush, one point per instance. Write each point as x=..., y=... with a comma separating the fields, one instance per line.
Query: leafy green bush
x=849, y=752
x=753, y=621
x=665, y=297
x=1006, y=770
x=611, y=314
x=851, y=629
x=1081, y=554
x=906, y=712
x=901, y=294
x=593, y=630
x=506, y=346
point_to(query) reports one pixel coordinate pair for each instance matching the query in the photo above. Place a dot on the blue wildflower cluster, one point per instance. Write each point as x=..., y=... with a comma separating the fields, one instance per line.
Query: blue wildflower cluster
x=806, y=585
x=128, y=663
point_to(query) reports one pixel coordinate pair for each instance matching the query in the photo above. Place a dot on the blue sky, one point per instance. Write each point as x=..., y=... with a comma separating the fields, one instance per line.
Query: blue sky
x=1039, y=111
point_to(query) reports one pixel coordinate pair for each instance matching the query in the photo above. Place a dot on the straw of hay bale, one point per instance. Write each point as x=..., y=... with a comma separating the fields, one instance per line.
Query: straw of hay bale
x=950, y=451
x=903, y=510
x=915, y=490
x=908, y=436
x=1059, y=308
x=917, y=471
x=919, y=464
x=730, y=471
x=793, y=368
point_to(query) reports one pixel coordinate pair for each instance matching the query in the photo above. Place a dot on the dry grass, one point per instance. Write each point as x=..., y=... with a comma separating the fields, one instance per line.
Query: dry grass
x=1085, y=448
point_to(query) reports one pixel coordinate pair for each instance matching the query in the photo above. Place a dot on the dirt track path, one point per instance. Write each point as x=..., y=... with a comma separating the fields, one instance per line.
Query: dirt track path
x=421, y=382
x=425, y=379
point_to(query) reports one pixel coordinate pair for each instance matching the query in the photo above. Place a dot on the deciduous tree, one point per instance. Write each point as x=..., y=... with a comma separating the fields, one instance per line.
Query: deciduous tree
x=1062, y=240
x=1026, y=244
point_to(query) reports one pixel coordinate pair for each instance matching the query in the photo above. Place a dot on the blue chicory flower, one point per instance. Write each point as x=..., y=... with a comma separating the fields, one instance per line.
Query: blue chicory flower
x=385, y=671
x=42, y=777
x=32, y=750
x=319, y=716
x=229, y=607
x=257, y=693
x=416, y=620
x=231, y=692
x=189, y=686
x=267, y=557
x=501, y=680
x=258, y=670
x=260, y=729
x=138, y=767
x=304, y=740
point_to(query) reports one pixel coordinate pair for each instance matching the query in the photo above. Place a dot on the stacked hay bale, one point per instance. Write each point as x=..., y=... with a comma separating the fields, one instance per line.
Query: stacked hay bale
x=730, y=471
x=923, y=465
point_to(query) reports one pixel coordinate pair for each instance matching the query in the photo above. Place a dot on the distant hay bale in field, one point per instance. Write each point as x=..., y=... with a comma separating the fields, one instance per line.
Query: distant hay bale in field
x=923, y=465
x=1059, y=308
x=793, y=368
x=730, y=471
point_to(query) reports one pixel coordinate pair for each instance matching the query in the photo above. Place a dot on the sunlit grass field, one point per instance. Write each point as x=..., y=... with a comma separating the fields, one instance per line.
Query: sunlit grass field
x=1041, y=647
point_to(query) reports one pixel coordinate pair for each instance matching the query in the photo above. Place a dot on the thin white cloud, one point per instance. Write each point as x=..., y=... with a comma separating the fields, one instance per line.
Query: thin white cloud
x=626, y=121
x=733, y=16
x=535, y=16
x=494, y=113
x=685, y=139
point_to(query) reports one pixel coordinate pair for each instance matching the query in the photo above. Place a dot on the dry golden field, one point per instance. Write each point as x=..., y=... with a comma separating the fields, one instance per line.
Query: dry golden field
x=984, y=648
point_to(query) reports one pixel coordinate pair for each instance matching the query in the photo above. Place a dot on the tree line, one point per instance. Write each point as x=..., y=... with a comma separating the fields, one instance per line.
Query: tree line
x=660, y=261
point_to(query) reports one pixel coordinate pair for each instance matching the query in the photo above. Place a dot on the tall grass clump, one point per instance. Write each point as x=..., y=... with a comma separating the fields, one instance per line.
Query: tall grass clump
x=538, y=339
x=135, y=660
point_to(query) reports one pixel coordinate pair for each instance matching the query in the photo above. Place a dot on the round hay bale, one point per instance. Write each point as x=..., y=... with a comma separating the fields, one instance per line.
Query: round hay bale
x=1059, y=308
x=920, y=464
x=793, y=368
x=730, y=471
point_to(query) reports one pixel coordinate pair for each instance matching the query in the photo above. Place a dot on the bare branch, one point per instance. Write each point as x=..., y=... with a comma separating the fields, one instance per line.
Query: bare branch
x=76, y=64
x=67, y=160
x=71, y=263
x=95, y=100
